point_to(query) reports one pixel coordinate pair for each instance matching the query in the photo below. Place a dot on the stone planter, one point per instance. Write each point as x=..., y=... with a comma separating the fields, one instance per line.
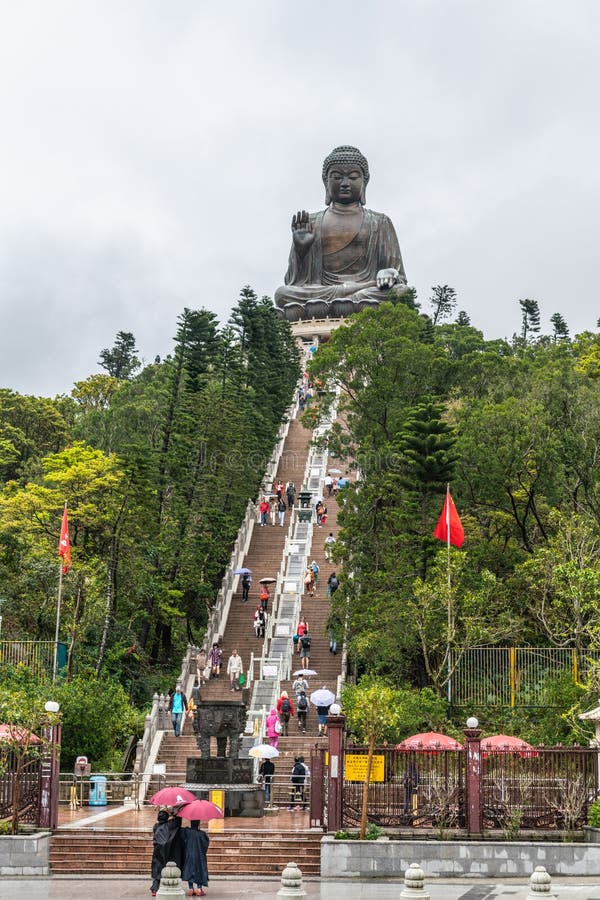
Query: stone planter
x=460, y=859
x=25, y=854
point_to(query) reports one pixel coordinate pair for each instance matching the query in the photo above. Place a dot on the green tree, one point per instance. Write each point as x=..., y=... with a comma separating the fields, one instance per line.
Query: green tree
x=443, y=302
x=530, y=318
x=372, y=711
x=120, y=361
x=560, y=329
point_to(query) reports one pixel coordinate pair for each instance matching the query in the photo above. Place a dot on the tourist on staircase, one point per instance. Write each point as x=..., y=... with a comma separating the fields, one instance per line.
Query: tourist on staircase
x=216, y=655
x=305, y=643
x=302, y=709
x=264, y=511
x=246, y=582
x=273, y=725
x=302, y=629
x=298, y=779
x=285, y=708
x=235, y=668
x=177, y=707
x=260, y=621
x=281, y=508
x=328, y=546
x=299, y=685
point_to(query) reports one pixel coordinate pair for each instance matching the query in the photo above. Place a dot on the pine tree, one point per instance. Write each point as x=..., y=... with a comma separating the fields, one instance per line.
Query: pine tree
x=120, y=362
x=443, y=301
x=530, y=321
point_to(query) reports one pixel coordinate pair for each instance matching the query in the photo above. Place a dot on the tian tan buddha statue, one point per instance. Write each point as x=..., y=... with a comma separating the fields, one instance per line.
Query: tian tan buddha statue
x=345, y=257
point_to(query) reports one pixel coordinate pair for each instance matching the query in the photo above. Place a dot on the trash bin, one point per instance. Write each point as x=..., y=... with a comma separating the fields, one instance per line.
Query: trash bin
x=98, y=791
x=305, y=498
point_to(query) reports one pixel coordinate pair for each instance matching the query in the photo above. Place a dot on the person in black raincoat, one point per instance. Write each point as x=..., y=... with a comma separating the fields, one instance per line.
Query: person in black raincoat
x=195, y=869
x=167, y=846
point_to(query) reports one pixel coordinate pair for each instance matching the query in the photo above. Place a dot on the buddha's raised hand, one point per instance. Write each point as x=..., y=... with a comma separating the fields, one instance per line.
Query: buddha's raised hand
x=302, y=231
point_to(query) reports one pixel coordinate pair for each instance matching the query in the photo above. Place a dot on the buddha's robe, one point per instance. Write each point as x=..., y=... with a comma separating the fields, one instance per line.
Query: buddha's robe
x=339, y=283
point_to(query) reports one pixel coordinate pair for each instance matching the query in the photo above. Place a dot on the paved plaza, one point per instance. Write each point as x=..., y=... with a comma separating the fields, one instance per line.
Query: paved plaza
x=116, y=888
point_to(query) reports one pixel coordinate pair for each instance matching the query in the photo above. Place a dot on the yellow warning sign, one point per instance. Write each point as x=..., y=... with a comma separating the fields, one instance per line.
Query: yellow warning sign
x=355, y=768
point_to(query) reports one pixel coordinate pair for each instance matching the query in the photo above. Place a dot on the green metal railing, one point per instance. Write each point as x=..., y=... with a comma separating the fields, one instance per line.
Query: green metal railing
x=36, y=655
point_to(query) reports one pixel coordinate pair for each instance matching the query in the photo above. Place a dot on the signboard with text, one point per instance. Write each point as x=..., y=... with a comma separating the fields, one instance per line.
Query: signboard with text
x=355, y=768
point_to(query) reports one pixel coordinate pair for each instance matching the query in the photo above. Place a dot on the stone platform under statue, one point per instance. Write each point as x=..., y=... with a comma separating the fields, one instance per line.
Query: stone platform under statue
x=224, y=720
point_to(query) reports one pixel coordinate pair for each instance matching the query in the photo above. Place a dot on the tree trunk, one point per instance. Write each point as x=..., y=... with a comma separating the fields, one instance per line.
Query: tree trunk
x=365, y=798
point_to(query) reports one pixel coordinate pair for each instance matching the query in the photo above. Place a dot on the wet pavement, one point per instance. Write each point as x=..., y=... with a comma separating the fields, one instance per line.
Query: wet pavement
x=115, y=888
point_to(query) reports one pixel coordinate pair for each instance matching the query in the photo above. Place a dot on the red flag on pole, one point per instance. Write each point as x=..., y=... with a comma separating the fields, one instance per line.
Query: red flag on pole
x=449, y=527
x=64, y=544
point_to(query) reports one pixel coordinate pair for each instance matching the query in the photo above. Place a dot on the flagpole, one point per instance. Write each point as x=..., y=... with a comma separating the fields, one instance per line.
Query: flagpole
x=449, y=586
x=58, y=605
x=60, y=580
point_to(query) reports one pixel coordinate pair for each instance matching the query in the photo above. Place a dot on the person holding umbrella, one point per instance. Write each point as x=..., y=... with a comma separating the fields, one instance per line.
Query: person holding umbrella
x=167, y=846
x=267, y=770
x=246, y=582
x=322, y=699
x=195, y=867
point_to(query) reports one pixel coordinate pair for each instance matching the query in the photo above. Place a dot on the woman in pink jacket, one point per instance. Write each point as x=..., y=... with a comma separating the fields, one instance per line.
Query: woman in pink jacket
x=273, y=727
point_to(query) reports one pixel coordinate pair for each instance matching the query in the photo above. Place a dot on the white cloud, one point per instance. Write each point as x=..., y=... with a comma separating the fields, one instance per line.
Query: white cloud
x=153, y=154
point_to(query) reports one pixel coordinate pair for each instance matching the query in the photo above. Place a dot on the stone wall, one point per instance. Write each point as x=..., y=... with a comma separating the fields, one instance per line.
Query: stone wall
x=25, y=854
x=444, y=859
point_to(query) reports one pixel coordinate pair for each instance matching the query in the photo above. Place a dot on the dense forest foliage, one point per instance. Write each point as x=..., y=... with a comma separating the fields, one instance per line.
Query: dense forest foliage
x=514, y=428
x=157, y=464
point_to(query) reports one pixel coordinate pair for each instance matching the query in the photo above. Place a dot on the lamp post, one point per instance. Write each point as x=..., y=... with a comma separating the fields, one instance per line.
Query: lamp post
x=50, y=769
x=474, y=811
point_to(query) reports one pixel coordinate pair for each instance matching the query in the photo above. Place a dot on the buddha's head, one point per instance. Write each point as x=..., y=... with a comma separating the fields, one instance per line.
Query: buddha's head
x=345, y=176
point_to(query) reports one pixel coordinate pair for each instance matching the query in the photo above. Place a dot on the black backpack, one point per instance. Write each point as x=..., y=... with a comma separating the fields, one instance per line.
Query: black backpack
x=305, y=641
x=302, y=703
x=285, y=705
x=298, y=773
x=246, y=581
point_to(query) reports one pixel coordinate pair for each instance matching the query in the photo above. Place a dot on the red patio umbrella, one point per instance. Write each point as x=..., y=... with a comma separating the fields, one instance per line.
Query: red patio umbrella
x=172, y=796
x=21, y=735
x=505, y=743
x=200, y=810
x=429, y=742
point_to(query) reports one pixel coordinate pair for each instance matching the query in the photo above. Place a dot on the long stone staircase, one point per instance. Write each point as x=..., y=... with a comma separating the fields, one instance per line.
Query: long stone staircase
x=243, y=850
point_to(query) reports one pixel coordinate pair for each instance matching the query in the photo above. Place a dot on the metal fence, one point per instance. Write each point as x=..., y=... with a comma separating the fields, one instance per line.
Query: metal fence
x=36, y=655
x=513, y=676
x=547, y=789
x=29, y=794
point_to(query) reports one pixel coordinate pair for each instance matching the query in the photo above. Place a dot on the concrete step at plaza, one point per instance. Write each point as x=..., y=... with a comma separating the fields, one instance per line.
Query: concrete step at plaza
x=230, y=852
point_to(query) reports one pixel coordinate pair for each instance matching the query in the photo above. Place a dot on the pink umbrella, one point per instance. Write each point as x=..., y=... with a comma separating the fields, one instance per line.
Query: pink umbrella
x=429, y=742
x=20, y=735
x=505, y=743
x=172, y=796
x=200, y=810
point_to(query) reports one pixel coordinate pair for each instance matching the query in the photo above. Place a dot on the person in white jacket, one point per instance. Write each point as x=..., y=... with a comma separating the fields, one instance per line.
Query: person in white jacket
x=235, y=668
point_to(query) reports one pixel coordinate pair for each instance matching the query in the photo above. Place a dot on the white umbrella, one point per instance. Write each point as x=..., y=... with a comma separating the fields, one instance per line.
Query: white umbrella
x=322, y=697
x=263, y=751
x=335, y=471
x=306, y=672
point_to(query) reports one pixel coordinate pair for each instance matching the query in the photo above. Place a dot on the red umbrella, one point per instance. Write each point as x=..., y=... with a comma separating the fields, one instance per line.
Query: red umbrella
x=20, y=735
x=505, y=743
x=429, y=742
x=172, y=796
x=200, y=810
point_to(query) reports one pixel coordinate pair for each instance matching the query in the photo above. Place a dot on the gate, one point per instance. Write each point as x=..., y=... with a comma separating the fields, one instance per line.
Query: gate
x=546, y=788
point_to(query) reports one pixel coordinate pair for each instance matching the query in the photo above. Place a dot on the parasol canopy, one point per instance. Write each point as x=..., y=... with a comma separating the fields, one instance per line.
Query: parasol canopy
x=506, y=743
x=263, y=751
x=267, y=581
x=322, y=697
x=429, y=742
x=200, y=810
x=306, y=672
x=335, y=471
x=20, y=735
x=172, y=796
x=242, y=571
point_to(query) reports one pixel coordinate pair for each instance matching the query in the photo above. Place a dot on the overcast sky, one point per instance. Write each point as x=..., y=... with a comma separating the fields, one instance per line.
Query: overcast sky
x=152, y=153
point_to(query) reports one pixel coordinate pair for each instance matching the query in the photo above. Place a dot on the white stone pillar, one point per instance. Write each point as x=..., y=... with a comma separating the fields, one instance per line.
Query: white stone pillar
x=291, y=882
x=170, y=882
x=414, y=883
x=540, y=885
